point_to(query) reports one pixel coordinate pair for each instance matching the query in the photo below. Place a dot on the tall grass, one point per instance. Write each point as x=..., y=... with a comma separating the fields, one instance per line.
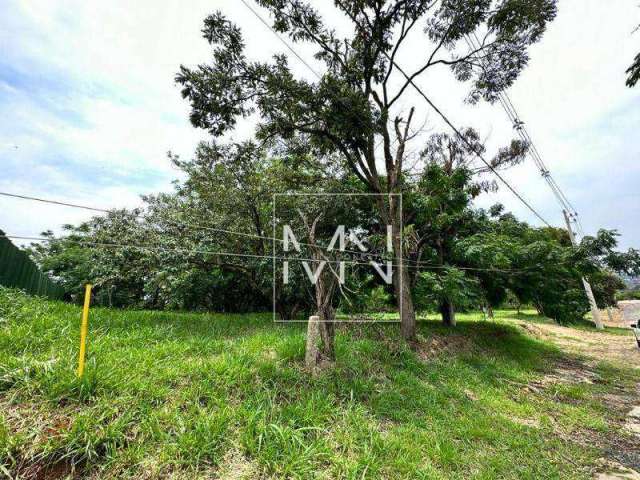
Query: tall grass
x=199, y=395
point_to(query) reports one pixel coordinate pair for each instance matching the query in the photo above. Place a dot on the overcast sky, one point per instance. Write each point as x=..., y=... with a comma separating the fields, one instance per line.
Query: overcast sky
x=89, y=107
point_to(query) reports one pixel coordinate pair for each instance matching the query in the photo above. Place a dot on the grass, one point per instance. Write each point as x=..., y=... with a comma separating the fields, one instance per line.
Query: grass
x=204, y=395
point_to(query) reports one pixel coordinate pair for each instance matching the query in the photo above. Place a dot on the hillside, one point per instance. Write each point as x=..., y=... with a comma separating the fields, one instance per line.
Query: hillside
x=180, y=395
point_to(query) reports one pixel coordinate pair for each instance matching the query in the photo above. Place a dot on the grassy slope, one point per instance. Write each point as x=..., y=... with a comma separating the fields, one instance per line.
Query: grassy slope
x=188, y=395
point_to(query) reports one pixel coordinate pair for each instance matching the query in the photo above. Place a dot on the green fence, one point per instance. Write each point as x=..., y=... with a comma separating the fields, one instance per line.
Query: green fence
x=17, y=270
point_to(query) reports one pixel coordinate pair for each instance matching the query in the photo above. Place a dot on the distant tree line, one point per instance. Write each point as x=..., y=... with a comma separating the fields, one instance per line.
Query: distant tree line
x=458, y=257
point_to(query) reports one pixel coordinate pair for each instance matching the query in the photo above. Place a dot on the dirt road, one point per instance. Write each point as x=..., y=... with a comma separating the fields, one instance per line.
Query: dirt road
x=616, y=348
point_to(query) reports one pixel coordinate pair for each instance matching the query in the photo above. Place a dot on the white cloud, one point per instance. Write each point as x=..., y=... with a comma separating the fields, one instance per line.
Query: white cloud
x=102, y=109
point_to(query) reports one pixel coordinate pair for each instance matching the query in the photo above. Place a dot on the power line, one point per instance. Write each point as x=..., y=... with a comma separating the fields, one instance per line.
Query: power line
x=154, y=248
x=434, y=107
x=185, y=225
x=410, y=262
x=519, y=126
x=289, y=47
x=469, y=144
x=158, y=247
x=282, y=40
x=54, y=202
x=299, y=57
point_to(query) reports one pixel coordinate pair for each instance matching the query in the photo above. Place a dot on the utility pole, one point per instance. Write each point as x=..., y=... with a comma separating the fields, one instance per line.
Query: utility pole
x=595, y=312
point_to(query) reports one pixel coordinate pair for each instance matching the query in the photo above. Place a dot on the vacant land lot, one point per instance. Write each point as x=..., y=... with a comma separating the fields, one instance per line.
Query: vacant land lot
x=174, y=395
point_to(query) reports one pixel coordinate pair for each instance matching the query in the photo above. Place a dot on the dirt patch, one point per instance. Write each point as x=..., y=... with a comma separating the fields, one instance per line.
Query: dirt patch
x=436, y=345
x=586, y=349
x=236, y=466
x=41, y=425
x=566, y=375
x=44, y=471
x=610, y=470
x=621, y=349
x=632, y=422
x=625, y=457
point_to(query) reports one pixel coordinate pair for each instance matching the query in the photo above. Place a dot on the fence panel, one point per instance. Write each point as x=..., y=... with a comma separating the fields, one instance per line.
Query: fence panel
x=17, y=270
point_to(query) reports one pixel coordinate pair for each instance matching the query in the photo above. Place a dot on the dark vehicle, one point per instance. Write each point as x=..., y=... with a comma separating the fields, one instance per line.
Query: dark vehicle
x=636, y=331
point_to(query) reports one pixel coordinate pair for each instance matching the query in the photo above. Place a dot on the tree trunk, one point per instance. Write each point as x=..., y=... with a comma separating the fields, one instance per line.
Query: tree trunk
x=323, y=352
x=321, y=328
x=328, y=334
x=402, y=281
x=448, y=313
x=282, y=310
x=490, y=312
x=405, y=304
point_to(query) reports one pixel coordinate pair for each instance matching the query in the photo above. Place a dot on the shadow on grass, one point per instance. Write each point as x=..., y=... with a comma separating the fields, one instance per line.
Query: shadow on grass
x=372, y=359
x=376, y=368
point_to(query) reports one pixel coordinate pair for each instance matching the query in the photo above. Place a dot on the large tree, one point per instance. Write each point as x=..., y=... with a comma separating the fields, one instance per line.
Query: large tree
x=354, y=106
x=441, y=215
x=164, y=255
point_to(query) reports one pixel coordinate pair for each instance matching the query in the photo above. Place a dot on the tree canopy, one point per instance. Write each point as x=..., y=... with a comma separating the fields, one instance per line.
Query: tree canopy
x=354, y=105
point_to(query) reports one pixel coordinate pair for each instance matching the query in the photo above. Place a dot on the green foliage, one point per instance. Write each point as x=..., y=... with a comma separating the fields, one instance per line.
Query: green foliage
x=163, y=256
x=628, y=295
x=321, y=136
x=370, y=298
x=543, y=269
x=340, y=118
x=605, y=286
x=450, y=284
x=341, y=111
x=601, y=252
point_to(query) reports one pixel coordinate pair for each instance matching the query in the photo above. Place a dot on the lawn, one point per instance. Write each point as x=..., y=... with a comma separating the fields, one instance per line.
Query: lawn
x=182, y=395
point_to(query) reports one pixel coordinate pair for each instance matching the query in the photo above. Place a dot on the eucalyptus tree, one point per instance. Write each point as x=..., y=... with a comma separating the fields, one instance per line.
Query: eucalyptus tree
x=355, y=104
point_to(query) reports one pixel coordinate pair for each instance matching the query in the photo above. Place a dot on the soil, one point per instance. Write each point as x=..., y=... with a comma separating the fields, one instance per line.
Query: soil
x=616, y=348
x=622, y=454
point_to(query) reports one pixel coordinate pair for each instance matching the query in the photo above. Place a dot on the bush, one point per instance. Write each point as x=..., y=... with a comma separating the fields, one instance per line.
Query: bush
x=628, y=295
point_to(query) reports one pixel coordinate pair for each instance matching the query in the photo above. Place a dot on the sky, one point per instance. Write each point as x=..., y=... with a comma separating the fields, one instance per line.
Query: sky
x=89, y=107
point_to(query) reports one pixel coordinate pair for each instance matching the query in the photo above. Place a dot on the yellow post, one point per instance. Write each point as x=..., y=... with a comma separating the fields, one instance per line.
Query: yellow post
x=83, y=329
